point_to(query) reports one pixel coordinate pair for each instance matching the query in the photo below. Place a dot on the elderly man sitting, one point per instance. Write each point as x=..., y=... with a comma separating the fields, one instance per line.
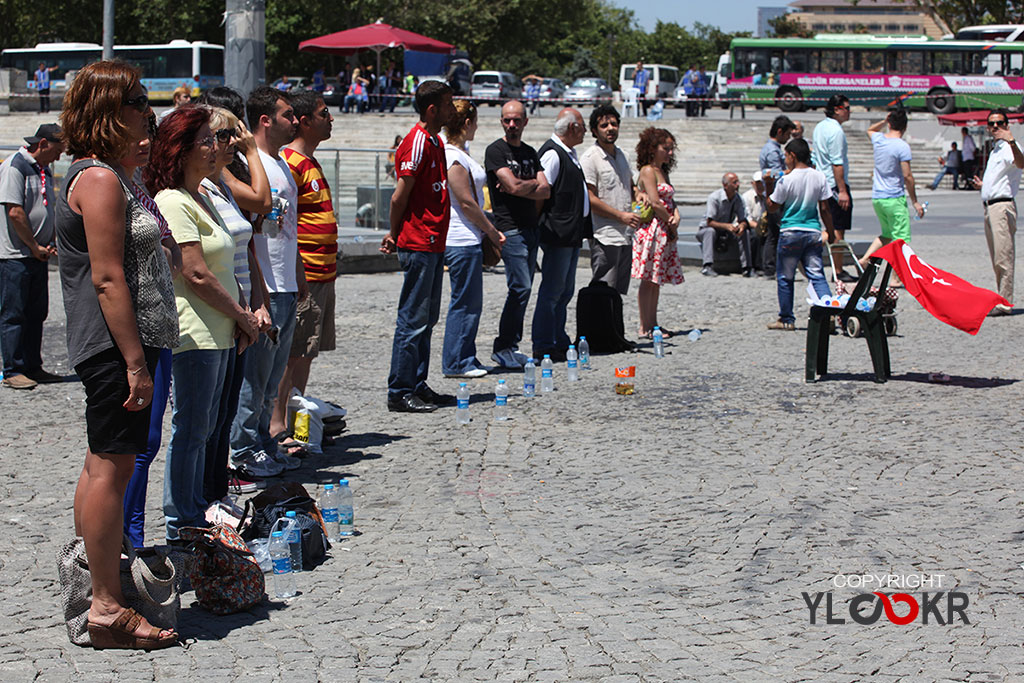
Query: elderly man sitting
x=725, y=218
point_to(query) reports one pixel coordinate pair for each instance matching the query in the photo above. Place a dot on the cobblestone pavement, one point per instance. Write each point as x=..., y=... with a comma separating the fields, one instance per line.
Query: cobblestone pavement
x=656, y=537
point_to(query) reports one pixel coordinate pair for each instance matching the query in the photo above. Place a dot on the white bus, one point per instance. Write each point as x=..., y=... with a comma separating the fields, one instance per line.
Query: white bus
x=196, y=65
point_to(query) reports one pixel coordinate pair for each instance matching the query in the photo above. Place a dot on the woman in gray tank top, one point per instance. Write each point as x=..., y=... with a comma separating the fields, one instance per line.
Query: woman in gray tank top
x=120, y=309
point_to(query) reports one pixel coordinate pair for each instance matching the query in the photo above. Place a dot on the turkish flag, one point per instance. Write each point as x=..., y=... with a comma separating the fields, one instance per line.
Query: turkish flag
x=952, y=300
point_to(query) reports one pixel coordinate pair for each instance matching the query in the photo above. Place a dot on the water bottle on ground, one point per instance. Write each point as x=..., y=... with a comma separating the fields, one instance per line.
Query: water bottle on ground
x=530, y=378
x=462, y=404
x=547, y=379
x=924, y=205
x=284, y=579
x=346, y=513
x=501, y=401
x=659, y=343
x=329, y=511
x=694, y=334
x=584, y=354
x=294, y=535
x=572, y=368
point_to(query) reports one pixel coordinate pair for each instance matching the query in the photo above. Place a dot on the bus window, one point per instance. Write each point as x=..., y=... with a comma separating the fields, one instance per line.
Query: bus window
x=1012, y=63
x=945, y=62
x=775, y=65
x=801, y=61
x=833, y=62
x=974, y=63
x=211, y=61
x=161, y=63
x=869, y=62
x=909, y=62
x=751, y=62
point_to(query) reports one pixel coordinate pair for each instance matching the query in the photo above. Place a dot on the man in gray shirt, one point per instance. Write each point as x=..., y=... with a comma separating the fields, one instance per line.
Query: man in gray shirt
x=725, y=218
x=26, y=244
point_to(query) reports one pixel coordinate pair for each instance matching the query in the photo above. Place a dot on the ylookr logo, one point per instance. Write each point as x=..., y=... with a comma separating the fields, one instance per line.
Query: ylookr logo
x=939, y=607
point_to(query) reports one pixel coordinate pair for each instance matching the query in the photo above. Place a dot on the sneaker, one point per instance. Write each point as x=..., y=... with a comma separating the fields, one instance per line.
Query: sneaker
x=468, y=374
x=708, y=271
x=258, y=465
x=286, y=461
x=779, y=325
x=238, y=484
x=19, y=381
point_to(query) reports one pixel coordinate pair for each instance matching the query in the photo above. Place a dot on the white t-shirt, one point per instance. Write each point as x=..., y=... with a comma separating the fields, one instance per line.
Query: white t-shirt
x=277, y=255
x=461, y=231
x=1001, y=178
x=799, y=192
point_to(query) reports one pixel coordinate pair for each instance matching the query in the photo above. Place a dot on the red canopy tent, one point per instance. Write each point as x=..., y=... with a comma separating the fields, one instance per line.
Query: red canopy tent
x=378, y=37
x=973, y=118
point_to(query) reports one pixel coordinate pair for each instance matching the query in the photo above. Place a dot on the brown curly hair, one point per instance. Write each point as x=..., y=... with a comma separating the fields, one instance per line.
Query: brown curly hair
x=646, y=148
x=91, y=119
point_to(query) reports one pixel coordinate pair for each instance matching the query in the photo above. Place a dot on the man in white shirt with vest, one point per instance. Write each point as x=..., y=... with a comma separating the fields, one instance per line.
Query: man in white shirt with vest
x=564, y=222
x=998, y=194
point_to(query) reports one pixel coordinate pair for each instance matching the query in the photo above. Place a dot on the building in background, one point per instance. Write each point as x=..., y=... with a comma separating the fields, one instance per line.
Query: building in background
x=903, y=17
x=764, y=15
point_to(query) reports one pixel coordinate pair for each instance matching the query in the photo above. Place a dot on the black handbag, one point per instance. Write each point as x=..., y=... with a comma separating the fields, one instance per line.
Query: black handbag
x=314, y=541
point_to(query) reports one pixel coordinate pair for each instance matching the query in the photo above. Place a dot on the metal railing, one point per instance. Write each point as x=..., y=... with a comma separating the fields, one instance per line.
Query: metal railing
x=358, y=176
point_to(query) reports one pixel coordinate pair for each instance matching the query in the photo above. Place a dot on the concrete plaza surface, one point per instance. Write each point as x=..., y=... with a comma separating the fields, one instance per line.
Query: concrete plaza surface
x=662, y=536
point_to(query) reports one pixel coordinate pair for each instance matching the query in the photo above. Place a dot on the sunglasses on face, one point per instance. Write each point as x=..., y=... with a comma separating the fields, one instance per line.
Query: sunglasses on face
x=1000, y=124
x=139, y=103
x=224, y=135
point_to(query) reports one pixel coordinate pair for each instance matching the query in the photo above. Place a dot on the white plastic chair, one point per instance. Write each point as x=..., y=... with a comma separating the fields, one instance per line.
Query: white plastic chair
x=630, y=107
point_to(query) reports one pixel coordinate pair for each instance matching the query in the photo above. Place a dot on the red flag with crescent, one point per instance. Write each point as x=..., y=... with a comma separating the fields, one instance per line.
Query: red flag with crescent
x=951, y=299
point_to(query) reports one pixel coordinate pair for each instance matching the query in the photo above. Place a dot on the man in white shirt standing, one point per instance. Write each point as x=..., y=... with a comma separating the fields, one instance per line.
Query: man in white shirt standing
x=564, y=222
x=998, y=194
x=967, y=155
x=253, y=448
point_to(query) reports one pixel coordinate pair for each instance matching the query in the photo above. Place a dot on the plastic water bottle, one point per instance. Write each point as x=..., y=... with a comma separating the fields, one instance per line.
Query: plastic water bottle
x=694, y=334
x=275, y=209
x=584, y=354
x=501, y=401
x=547, y=379
x=659, y=343
x=346, y=513
x=329, y=511
x=294, y=535
x=530, y=378
x=572, y=367
x=284, y=579
x=924, y=206
x=462, y=404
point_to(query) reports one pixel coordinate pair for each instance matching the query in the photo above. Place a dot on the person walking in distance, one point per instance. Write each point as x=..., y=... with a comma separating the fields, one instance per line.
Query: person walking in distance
x=998, y=194
x=831, y=158
x=420, y=211
x=516, y=182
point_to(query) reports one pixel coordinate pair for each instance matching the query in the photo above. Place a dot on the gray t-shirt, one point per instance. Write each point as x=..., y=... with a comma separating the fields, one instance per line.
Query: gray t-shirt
x=22, y=184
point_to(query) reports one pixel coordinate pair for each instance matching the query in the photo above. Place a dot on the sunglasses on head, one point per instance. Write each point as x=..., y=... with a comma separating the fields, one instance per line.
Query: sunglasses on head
x=224, y=134
x=139, y=103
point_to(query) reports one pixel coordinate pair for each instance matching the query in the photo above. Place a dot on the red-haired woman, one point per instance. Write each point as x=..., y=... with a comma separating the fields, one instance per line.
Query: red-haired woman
x=119, y=303
x=207, y=297
x=655, y=261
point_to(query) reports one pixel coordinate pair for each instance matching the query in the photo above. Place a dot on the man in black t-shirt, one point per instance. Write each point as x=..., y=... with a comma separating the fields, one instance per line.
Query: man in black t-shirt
x=515, y=181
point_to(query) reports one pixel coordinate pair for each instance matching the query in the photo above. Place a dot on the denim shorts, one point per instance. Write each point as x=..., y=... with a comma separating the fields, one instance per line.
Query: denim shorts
x=110, y=427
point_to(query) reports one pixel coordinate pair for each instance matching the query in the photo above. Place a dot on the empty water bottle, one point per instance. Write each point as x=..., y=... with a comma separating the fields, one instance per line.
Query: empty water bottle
x=694, y=334
x=530, y=378
x=501, y=401
x=284, y=579
x=659, y=343
x=924, y=207
x=584, y=354
x=293, y=534
x=572, y=368
x=547, y=378
x=346, y=513
x=462, y=404
x=329, y=511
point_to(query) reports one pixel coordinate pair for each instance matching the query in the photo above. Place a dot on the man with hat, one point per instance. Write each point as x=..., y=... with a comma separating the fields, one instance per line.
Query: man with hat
x=26, y=192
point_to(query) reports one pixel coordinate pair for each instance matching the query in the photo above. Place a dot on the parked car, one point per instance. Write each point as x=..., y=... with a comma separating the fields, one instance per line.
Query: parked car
x=493, y=87
x=333, y=96
x=679, y=96
x=294, y=83
x=588, y=91
x=552, y=90
x=661, y=84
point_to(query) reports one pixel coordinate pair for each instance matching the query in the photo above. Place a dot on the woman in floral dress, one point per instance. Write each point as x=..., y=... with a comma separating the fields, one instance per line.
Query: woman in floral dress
x=655, y=261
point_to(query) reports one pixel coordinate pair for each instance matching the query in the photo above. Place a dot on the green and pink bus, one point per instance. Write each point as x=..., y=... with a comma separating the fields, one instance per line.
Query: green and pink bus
x=877, y=71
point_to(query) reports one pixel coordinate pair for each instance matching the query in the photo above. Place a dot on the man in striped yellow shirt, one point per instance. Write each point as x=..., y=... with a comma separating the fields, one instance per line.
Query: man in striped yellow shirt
x=318, y=244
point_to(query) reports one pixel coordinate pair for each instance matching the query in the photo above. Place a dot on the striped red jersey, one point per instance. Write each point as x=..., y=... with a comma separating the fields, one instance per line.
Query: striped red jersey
x=318, y=228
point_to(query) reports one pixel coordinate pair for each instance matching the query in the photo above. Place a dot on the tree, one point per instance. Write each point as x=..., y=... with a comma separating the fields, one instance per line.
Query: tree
x=786, y=27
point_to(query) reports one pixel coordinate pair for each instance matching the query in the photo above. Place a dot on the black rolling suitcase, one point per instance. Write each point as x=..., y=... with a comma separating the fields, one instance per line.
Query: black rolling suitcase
x=599, y=319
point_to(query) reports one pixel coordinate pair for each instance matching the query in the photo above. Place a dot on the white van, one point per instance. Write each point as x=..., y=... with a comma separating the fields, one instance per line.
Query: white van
x=661, y=84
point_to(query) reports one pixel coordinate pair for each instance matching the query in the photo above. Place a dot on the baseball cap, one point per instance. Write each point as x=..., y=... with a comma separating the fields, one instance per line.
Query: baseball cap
x=756, y=177
x=48, y=131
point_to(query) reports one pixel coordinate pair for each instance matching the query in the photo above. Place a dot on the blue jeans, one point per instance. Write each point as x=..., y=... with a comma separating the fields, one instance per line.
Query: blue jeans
x=264, y=365
x=135, y=494
x=942, y=174
x=520, y=257
x=557, y=286
x=24, y=303
x=798, y=246
x=215, y=477
x=465, y=272
x=419, y=308
x=198, y=378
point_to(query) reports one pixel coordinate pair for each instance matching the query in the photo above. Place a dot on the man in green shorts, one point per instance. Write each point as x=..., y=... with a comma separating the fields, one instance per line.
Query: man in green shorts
x=893, y=181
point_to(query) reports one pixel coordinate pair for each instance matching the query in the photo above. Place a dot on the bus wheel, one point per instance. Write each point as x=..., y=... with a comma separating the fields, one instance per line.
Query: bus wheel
x=789, y=100
x=941, y=101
